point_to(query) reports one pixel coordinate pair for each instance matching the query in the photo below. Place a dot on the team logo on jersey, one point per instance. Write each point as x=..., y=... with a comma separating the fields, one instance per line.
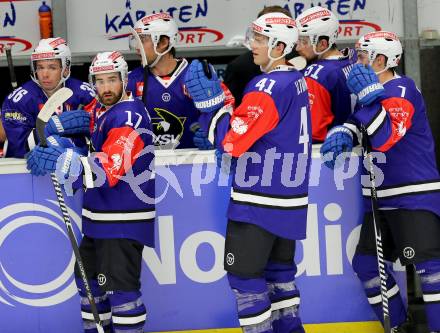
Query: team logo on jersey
x=167, y=127
x=409, y=252
x=117, y=163
x=239, y=126
x=230, y=259
x=254, y=111
x=16, y=116
x=101, y=279
x=139, y=89
x=166, y=97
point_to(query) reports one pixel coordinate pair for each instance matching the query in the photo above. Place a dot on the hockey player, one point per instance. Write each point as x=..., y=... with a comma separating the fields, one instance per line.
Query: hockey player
x=264, y=219
x=50, y=70
x=326, y=74
x=242, y=69
x=392, y=110
x=116, y=222
x=173, y=113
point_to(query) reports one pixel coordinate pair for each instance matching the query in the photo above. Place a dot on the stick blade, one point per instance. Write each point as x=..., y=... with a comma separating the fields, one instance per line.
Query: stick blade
x=49, y=108
x=298, y=62
x=55, y=101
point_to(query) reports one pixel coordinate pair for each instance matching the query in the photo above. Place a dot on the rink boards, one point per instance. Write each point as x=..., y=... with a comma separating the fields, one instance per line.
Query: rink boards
x=184, y=284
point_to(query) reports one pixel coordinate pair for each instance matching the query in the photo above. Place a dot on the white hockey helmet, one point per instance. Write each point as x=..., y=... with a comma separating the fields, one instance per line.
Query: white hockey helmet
x=278, y=27
x=109, y=62
x=381, y=42
x=318, y=22
x=52, y=48
x=156, y=25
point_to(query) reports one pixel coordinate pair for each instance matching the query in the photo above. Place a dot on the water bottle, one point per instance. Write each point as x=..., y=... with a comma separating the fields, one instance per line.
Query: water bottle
x=45, y=14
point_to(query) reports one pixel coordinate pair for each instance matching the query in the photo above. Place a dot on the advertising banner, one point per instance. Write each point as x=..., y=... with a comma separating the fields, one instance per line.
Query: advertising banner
x=213, y=22
x=184, y=284
x=19, y=25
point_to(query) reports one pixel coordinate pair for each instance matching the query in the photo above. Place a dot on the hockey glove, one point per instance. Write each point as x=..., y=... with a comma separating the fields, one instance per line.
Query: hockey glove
x=363, y=82
x=339, y=140
x=201, y=141
x=69, y=123
x=56, y=140
x=204, y=88
x=64, y=162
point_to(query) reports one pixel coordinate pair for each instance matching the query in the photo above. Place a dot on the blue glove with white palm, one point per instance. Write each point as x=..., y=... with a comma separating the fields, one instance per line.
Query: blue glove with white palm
x=204, y=87
x=339, y=140
x=69, y=123
x=364, y=83
x=60, y=156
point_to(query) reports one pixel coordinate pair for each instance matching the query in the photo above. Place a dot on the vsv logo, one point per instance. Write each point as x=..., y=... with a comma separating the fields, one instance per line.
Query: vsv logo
x=36, y=260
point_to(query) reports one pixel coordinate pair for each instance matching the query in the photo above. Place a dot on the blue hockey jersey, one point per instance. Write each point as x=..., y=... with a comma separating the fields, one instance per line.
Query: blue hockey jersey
x=20, y=110
x=172, y=110
x=119, y=200
x=330, y=99
x=270, y=135
x=398, y=127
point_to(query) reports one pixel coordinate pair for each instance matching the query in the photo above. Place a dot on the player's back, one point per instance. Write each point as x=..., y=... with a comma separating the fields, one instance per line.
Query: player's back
x=330, y=98
x=410, y=175
x=277, y=200
x=414, y=153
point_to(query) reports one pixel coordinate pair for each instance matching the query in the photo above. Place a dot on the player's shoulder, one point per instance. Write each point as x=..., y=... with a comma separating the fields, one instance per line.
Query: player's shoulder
x=399, y=82
x=76, y=84
x=130, y=111
x=128, y=105
x=27, y=94
x=136, y=73
x=82, y=91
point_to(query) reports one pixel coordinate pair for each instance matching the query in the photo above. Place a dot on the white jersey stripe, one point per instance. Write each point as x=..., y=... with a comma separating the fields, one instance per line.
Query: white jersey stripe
x=118, y=216
x=102, y=316
x=403, y=189
x=129, y=320
x=88, y=175
x=377, y=122
x=431, y=297
x=268, y=201
x=218, y=115
x=390, y=293
x=285, y=303
x=255, y=320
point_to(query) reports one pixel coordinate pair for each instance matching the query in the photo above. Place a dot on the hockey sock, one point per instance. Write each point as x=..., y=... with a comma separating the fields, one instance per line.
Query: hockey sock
x=284, y=297
x=128, y=311
x=429, y=272
x=253, y=304
x=102, y=305
x=366, y=269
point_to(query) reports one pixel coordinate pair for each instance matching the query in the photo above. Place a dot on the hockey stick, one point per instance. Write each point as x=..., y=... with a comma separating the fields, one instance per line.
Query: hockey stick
x=56, y=100
x=11, y=67
x=144, y=64
x=377, y=232
x=298, y=62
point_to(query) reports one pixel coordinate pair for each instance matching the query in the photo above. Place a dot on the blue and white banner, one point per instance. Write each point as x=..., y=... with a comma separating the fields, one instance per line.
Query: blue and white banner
x=184, y=284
